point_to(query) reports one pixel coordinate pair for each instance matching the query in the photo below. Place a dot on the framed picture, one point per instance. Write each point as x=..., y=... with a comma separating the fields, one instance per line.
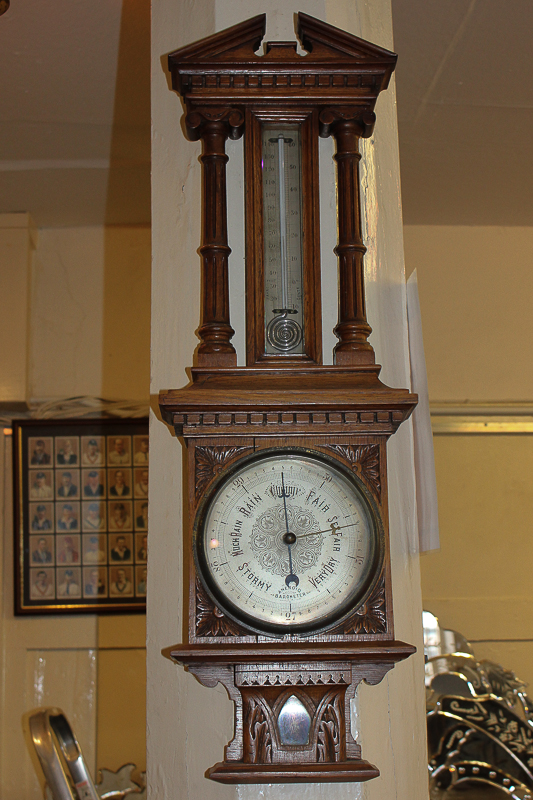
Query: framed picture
x=81, y=515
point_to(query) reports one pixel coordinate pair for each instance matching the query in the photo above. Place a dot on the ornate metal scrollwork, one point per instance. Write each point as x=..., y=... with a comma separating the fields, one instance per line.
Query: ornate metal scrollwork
x=283, y=333
x=480, y=727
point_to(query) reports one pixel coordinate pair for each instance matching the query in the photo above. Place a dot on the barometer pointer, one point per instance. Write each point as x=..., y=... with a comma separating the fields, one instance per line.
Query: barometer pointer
x=289, y=538
x=332, y=529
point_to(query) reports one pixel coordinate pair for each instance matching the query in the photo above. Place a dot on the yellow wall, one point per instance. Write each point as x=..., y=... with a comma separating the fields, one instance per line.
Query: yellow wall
x=90, y=334
x=87, y=316
x=121, y=712
x=17, y=240
x=480, y=581
x=90, y=313
x=475, y=289
x=476, y=285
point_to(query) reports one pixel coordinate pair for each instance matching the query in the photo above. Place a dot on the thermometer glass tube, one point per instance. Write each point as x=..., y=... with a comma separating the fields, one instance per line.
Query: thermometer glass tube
x=282, y=226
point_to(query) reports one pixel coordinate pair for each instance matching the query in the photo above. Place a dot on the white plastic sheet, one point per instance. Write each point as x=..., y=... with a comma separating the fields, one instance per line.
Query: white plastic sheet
x=426, y=482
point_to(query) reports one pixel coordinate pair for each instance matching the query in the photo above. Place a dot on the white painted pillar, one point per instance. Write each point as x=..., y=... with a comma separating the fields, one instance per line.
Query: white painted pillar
x=188, y=725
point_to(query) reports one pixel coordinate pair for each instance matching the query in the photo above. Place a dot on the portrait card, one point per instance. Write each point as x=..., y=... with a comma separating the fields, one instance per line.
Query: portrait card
x=93, y=451
x=68, y=582
x=40, y=484
x=93, y=516
x=94, y=548
x=119, y=483
x=81, y=515
x=42, y=584
x=68, y=549
x=121, y=581
x=141, y=548
x=141, y=515
x=141, y=574
x=67, y=517
x=120, y=548
x=140, y=451
x=141, y=483
x=41, y=517
x=119, y=515
x=95, y=582
x=42, y=549
x=93, y=483
x=67, y=451
x=119, y=451
x=67, y=484
x=40, y=451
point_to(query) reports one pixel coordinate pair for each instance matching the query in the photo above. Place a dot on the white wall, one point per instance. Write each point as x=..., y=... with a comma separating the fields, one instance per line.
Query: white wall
x=75, y=320
x=188, y=724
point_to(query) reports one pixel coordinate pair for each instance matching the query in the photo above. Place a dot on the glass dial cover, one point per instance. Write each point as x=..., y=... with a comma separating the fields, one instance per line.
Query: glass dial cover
x=288, y=541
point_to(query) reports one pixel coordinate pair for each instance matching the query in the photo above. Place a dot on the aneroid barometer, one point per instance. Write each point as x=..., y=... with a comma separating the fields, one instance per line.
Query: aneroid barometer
x=288, y=564
x=288, y=585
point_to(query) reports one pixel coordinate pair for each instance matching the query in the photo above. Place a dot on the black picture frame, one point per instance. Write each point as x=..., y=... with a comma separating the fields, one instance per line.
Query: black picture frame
x=81, y=503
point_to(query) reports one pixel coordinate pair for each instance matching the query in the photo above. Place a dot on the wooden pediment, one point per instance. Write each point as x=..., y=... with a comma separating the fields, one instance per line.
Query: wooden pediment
x=324, y=41
x=240, y=41
x=225, y=70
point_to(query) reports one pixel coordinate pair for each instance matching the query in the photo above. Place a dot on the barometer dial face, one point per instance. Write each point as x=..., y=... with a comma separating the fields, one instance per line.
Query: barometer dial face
x=288, y=542
x=281, y=164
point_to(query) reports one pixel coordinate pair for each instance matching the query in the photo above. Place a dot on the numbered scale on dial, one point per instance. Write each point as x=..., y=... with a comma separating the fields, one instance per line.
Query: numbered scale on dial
x=288, y=542
x=282, y=226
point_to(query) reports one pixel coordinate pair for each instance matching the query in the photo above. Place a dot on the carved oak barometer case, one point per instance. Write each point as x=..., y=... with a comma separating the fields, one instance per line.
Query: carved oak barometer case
x=288, y=585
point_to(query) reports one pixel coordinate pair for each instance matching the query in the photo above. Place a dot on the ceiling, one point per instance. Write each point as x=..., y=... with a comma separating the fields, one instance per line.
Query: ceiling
x=465, y=111
x=75, y=111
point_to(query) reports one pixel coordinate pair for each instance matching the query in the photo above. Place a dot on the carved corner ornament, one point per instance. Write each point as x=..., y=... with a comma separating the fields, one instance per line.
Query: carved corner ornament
x=210, y=621
x=364, y=461
x=371, y=616
x=209, y=461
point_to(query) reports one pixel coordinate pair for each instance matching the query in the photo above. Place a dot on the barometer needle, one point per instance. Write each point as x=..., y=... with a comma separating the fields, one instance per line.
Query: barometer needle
x=331, y=529
x=291, y=578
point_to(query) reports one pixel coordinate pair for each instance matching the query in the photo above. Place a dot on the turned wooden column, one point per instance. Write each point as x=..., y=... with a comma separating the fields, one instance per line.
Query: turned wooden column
x=352, y=329
x=213, y=127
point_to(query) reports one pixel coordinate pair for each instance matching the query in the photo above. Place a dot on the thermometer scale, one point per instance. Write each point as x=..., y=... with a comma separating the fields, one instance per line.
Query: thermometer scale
x=282, y=218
